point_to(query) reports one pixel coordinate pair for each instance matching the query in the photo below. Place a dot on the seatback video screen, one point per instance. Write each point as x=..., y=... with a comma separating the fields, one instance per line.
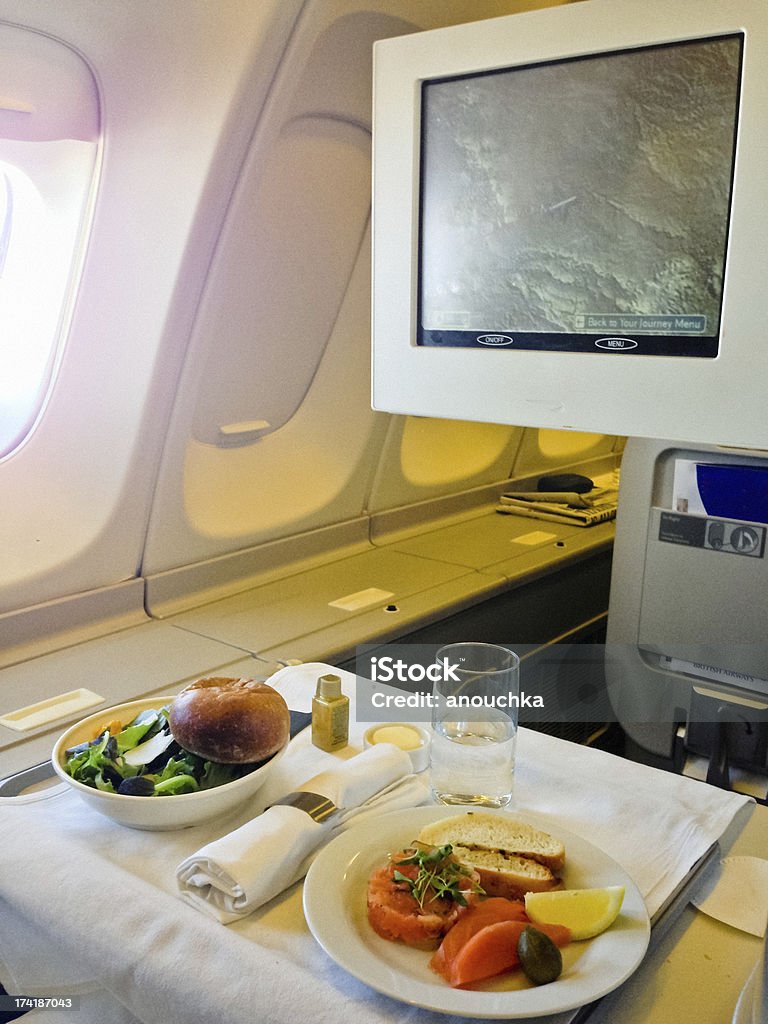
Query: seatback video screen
x=580, y=205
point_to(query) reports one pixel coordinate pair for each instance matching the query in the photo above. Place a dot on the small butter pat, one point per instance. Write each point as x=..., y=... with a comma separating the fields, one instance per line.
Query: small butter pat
x=413, y=739
x=402, y=736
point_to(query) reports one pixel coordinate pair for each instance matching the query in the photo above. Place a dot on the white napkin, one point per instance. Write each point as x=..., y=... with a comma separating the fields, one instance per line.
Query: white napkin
x=654, y=823
x=231, y=877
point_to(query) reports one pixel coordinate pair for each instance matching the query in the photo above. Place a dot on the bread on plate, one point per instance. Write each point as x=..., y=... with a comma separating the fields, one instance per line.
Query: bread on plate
x=510, y=856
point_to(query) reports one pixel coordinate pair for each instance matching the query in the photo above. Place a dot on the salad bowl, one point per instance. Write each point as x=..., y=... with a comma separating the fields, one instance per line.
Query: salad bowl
x=153, y=813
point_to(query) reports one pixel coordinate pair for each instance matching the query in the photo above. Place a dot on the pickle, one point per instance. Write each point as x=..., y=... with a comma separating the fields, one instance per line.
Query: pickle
x=540, y=958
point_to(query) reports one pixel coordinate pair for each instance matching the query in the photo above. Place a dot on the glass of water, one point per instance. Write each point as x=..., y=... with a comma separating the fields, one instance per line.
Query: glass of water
x=474, y=724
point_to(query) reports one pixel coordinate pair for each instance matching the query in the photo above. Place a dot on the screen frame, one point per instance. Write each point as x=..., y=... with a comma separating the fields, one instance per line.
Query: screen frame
x=505, y=336
x=715, y=400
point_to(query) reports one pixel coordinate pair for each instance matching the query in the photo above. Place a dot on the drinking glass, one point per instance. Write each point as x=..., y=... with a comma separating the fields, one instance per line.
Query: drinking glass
x=474, y=724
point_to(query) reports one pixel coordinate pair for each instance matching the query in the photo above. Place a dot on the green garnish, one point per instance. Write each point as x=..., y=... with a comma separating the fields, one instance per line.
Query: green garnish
x=439, y=875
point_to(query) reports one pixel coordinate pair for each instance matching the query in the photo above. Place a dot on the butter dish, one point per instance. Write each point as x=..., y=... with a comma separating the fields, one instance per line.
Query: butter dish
x=413, y=739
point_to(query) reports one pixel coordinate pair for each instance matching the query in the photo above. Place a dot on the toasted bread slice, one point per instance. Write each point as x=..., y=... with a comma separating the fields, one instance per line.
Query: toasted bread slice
x=476, y=830
x=510, y=857
x=479, y=830
x=507, y=874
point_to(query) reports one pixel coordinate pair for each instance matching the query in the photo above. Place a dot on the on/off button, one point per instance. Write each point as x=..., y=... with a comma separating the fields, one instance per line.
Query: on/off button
x=735, y=538
x=745, y=539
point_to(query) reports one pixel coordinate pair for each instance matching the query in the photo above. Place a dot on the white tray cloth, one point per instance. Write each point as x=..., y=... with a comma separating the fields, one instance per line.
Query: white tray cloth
x=88, y=906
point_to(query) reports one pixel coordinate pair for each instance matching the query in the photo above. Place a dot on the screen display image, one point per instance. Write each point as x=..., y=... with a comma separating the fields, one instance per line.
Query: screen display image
x=582, y=204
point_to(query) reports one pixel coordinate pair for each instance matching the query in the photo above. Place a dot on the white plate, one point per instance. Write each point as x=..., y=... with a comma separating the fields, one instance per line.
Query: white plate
x=335, y=908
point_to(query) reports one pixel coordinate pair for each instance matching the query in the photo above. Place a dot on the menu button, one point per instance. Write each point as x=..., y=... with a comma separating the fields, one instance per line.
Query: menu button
x=616, y=344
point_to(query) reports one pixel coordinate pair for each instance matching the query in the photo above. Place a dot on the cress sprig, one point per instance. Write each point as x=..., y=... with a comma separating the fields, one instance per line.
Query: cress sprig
x=438, y=871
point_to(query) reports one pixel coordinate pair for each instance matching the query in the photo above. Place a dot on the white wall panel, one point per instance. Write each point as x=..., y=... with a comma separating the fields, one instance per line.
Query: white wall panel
x=226, y=285
x=425, y=458
x=169, y=76
x=272, y=434
x=547, y=451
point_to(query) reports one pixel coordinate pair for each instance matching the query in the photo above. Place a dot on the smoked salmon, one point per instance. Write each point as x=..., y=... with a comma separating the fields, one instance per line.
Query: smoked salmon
x=482, y=913
x=493, y=950
x=483, y=942
x=404, y=906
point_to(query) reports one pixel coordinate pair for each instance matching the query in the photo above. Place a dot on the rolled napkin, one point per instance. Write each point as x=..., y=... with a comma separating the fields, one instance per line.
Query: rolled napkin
x=231, y=877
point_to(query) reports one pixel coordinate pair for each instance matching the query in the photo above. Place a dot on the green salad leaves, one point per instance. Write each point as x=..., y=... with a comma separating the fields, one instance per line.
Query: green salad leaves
x=143, y=759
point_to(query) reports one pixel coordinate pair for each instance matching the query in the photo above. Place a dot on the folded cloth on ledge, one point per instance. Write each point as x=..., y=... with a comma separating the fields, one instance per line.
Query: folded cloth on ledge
x=238, y=873
x=654, y=823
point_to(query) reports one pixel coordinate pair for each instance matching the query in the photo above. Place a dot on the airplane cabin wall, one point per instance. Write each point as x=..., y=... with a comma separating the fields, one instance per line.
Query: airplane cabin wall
x=213, y=395
x=169, y=77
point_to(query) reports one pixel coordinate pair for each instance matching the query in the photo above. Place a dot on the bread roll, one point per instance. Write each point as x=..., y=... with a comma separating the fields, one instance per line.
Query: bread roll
x=231, y=721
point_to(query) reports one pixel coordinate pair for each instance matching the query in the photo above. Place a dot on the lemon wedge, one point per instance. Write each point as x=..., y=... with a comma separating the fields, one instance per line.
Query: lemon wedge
x=587, y=912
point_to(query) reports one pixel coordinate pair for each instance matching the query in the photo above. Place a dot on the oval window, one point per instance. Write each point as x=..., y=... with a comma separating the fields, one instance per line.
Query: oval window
x=49, y=145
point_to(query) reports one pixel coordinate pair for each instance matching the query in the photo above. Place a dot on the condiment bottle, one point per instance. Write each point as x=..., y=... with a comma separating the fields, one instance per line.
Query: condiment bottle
x=330, y=714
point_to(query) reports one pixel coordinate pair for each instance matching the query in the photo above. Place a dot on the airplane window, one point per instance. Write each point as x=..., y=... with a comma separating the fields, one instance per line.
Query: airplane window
x=44, y=192
x=50, y=142
x=5, y=233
